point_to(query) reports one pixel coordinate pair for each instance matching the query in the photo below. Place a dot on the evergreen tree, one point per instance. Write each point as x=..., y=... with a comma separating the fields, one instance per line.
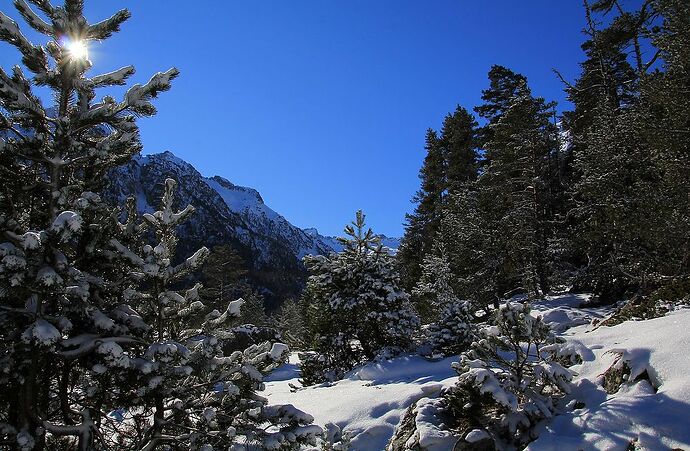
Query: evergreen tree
x=224, y=276
x=458, y=141
x=514, y=189
x=358, y=311
x=434, y=287
x=450, y=163
x=80, y=294
x=58, y=282
x=291, y=322
x=473, y=255
x=421, y=225
x=504, y=86
x=666, y=102
x=182, y=381
x=619, y=204
x=508, y=382
x=254, y=311
x=451, y=331
x=606, y=77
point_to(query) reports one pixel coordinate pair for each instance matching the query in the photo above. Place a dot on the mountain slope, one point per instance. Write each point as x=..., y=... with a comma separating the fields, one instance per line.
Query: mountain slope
x=226, y=214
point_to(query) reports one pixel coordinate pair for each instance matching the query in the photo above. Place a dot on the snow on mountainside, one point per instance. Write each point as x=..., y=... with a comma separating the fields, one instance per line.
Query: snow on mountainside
x=225, y=214
x=247, y=202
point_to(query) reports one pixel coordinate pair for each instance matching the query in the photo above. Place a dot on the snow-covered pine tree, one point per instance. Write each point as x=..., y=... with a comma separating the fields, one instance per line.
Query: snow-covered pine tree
x=421, y=225
x=291, y=322
x=224, y=276
x=514, y=195
x=70, y=302
x=183, y=389
x=450, y=162
x=630, y=195
x=358, y=310
x=507, y=382
x=451, y=332
x=58, y=285
x=473, y=254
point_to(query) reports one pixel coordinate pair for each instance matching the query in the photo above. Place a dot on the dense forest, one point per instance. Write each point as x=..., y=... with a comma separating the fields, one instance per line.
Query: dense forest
x=595, y=199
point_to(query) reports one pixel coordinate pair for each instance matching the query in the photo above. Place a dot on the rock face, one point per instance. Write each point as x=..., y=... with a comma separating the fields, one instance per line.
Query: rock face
x=230, y=214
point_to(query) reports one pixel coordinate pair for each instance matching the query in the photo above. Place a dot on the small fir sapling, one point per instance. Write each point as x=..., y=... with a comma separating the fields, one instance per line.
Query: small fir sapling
x=357, y=309
x=507, y=383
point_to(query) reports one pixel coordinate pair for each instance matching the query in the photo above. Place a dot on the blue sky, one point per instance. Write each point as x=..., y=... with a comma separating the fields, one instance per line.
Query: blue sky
x=322, y=105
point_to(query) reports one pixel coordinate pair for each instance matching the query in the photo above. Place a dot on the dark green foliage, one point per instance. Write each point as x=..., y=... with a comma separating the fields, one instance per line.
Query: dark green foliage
x=496, y=226
x=628, y=220
x=291, y=321
x=596, y=203
x=224, y=275
x=225, y=279
x=504, y=86
x=423, y=223
x=357, y=309
x=451, y=162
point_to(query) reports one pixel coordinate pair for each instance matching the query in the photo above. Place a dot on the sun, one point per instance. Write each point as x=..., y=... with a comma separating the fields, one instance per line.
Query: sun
x=77, y=50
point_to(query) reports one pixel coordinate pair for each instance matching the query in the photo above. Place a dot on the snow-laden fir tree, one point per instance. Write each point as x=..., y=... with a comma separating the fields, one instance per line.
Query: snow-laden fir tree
x=290, y=320
x=507, y=381
x=630, y=197
x=91, y=332
x=58, y=285
x=451, y=332
x=514, y=187
x=358, y=310
x=183, y=390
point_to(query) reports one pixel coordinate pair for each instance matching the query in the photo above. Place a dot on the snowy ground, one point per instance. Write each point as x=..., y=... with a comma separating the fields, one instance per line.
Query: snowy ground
x=372, y=400
x=656, y=415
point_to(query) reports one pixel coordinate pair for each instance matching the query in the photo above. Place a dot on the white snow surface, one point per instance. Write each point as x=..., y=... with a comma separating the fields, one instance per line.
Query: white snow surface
x=372, y=400
x=635, y=413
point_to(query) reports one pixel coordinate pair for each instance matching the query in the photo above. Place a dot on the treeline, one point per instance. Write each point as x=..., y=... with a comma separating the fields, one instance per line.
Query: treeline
x=595, y=199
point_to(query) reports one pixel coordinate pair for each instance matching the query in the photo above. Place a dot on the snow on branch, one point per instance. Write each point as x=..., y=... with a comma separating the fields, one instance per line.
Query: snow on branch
x=116, y=77
x=127, y=253
x=32, y=18
x=138, y=97
x=106, y=28
x=16, y=94
x=33, y=57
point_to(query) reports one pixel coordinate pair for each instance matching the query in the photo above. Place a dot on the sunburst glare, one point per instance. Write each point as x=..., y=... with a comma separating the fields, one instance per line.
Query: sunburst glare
x=77, y=50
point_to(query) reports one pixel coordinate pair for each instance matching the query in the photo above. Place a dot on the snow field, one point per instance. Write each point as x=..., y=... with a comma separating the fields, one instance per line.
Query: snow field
x=652, y=412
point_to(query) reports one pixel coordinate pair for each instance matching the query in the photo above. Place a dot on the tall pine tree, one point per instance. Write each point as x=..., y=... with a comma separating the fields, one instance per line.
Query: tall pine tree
x=450, y=163
x=515, y=199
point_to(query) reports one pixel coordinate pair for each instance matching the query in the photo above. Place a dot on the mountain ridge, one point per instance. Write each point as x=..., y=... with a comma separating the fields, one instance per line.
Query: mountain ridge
x=227, y=213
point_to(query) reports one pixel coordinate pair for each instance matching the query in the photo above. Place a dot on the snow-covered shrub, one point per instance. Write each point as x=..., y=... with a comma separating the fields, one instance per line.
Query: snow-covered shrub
x=452, y=329
x=336, y=356
x=357, y=309
x=184, y=381
x=506, y=382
